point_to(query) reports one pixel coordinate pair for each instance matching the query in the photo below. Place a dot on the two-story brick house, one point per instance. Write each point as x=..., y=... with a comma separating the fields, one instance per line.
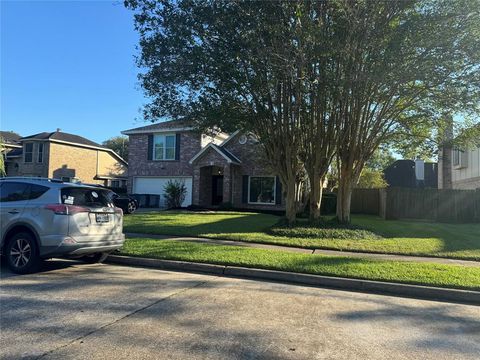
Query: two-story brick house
x=215, y=169
x=68, y=157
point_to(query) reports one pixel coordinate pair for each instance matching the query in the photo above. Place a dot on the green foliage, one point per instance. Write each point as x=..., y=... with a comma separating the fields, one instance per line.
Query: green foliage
x=326, y=230
x=371, y=179
x=119, y=144
x=175, y=193
x=2, y=158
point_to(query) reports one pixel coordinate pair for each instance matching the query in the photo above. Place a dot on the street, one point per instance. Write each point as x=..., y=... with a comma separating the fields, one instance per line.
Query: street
x=77, y=311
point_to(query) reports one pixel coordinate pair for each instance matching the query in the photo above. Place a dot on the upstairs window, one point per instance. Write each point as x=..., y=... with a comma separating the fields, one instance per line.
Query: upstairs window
x=28, y=152
x=40, y=153
x=164, y=147
x=459, y=158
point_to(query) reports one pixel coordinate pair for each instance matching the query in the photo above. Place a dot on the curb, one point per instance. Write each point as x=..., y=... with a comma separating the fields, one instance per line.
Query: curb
x=367, y=286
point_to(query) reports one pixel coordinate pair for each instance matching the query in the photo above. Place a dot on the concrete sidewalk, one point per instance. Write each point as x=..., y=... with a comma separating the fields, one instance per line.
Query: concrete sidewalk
x=426, y=259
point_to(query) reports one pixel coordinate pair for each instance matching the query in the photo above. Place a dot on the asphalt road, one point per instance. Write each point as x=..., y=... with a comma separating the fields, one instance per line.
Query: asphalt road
x=76, y=311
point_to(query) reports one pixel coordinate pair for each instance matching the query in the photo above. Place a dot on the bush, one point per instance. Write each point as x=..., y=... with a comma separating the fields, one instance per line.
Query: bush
x=175, y=193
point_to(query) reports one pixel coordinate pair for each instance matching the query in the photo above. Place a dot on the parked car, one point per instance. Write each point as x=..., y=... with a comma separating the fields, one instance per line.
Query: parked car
x=44, y=218
x=125, y=202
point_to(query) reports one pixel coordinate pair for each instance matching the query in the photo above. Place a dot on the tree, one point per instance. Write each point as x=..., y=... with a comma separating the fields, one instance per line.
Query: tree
x=371, y=179
x=403, y=61
x=119, y=144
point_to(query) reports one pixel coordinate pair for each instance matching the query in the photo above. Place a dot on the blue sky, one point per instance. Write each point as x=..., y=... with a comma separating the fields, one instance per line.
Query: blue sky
x=69, y=65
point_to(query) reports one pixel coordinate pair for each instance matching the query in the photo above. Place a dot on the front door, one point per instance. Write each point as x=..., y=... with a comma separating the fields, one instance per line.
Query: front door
x=217, y=189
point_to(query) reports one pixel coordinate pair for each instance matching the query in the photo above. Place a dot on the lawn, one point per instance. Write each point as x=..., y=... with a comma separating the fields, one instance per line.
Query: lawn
x=460, y=241
x=451, y=276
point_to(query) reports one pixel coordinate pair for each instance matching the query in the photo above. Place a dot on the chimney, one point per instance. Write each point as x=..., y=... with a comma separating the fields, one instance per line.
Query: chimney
x=58, y=129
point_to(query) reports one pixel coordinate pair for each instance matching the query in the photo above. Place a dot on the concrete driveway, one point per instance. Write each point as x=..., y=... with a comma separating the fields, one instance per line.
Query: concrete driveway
x=76, y=311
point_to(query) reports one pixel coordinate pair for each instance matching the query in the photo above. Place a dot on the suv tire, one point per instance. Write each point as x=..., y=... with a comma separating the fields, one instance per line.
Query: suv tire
x=131, y=207
x=95, y=258
x=21, y=253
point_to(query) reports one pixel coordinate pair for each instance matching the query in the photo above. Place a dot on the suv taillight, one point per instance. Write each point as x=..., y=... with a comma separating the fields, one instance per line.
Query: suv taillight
x=61, y=209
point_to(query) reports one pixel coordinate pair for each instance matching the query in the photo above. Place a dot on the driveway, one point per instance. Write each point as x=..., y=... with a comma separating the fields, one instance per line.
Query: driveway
x=76, y=311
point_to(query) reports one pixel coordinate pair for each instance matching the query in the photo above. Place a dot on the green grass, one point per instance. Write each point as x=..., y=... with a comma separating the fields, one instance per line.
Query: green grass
x=450, y=276
x=460, y=241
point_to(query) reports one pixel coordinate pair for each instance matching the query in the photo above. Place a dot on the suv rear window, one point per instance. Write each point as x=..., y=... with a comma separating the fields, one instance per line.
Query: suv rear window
x=85, y=197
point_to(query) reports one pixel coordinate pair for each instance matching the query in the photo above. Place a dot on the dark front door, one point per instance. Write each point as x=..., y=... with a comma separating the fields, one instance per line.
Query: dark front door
x=217, y=189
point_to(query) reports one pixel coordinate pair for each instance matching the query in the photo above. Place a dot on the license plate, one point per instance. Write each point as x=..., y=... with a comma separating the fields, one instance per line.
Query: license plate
x=102, y=218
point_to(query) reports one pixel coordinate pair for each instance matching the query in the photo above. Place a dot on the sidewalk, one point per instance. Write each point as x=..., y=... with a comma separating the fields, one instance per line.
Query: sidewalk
x=391, y=257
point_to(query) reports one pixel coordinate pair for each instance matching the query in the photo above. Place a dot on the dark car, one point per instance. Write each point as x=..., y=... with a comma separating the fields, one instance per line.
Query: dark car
x=124, y=202
x=127, y=203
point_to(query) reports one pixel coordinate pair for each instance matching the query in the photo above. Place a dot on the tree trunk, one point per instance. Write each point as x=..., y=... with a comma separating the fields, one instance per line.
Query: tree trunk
x=344, y=195
x=316, y=188
x=291, y=203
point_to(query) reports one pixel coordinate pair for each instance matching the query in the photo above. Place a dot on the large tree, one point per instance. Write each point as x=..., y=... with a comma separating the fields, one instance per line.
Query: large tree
x=403, y=61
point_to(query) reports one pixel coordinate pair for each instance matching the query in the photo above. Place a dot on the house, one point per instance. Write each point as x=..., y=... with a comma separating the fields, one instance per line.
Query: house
x=11, y=145
x=412, y=174
x=216, y=169
x=459, y=169
x=68, y=157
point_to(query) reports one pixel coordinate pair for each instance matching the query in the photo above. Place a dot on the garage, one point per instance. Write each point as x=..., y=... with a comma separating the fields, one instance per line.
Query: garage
x=155, y=185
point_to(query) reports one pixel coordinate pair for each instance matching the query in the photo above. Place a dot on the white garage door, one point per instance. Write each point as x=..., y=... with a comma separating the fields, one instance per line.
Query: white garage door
x=155, y=185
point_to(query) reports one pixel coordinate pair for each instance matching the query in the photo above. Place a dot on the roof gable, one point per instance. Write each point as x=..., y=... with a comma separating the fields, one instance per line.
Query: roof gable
x=172, y=125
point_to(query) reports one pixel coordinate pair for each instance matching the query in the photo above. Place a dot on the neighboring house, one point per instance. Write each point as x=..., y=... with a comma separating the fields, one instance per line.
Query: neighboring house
x=459, y=169
x=11, y=146
x=68, y=157
x=412, y=174
x=215, y=169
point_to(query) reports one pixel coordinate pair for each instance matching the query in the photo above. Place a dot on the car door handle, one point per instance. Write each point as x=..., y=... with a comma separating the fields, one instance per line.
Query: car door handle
x=14, y=212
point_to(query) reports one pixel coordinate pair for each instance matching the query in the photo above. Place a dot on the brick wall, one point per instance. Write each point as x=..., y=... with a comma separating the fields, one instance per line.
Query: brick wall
x=139, y=165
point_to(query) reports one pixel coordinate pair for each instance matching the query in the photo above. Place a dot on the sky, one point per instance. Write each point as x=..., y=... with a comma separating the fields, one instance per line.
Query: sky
x=68, y=65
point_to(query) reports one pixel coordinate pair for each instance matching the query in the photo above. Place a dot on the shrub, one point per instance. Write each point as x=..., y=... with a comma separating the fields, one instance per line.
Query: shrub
x=175, y=193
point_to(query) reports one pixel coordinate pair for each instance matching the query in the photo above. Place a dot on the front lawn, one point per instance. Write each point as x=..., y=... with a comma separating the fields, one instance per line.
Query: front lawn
x=394, y=237
x=451, y=276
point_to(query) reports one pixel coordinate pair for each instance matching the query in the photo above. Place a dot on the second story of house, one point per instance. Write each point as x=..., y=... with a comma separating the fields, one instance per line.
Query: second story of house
x=165, y=149
x=465, y=168
x=68, y=157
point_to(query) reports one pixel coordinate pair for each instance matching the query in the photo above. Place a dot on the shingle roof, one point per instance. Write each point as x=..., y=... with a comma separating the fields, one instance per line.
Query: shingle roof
x=228, y=154
x=10, y=137
x=165, y=125
x=62, y=136
x=15, y=152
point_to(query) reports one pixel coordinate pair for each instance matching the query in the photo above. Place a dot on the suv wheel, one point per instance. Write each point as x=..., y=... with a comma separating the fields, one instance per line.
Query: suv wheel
x=95, y=258
x=22, y=254
x=131, y=207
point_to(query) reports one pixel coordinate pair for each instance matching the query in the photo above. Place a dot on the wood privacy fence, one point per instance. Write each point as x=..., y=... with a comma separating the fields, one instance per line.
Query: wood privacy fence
x=441, y=205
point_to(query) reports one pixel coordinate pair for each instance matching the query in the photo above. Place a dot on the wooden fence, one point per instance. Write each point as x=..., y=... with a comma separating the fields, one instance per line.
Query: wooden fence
x=460, y=206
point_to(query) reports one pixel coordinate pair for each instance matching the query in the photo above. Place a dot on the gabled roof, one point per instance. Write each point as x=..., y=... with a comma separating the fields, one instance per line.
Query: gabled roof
x=10, y=137
x=165, y=126
x=62, y=136
x=227, y=155
x=15, y=153
x=72, y=139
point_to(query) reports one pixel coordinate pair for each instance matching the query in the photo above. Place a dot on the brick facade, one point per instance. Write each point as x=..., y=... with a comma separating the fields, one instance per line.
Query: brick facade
x=139, y=165
x=211, y=162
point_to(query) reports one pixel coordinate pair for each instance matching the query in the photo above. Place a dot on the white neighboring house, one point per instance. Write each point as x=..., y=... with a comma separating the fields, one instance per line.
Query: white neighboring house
x=459, y=169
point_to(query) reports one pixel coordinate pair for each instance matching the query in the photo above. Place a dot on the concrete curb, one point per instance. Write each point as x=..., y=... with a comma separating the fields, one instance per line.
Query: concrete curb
x=367, y=286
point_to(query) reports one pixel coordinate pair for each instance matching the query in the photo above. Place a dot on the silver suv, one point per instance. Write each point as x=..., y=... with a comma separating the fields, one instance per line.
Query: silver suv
x=43, y=218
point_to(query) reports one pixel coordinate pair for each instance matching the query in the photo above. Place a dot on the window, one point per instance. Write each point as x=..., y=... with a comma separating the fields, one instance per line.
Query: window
x=459, y=158
x=40, y=153
x=261, y=190
x=164, y=147
x=13, y=191
x=116, y=183
x=36, y=191
x=28, y=152
x=85, y=197
x=65, y=179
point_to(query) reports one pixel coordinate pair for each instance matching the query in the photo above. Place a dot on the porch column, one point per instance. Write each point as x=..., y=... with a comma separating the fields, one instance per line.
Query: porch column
x=196, y=186
x=227, y=183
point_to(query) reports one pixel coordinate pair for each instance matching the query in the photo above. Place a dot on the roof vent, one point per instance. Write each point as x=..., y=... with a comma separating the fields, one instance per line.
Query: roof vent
x=58, y=129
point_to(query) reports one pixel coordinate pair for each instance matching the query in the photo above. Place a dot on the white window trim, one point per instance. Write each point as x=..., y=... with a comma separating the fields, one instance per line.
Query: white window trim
x=25, y=153
x=164, y=147
x=38, y=152
x=274, y=190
